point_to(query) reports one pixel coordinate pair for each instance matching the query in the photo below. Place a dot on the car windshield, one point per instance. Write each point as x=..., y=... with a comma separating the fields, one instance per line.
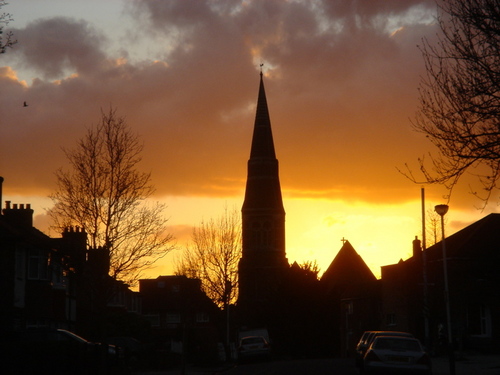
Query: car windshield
x=364, y=338
x=396, y=344
x=252, y=340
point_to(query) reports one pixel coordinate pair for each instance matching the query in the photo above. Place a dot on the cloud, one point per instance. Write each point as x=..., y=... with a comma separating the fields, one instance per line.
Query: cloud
x=53, y=46
x=341, y=87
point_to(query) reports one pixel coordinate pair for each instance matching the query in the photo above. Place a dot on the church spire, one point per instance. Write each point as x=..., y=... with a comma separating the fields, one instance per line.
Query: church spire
x=262, y=142
x=263, y=264
x=263, y=190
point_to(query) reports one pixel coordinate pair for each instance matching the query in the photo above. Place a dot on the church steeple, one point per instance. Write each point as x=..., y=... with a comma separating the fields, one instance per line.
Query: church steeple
x=263, y=190
x=262, y=142
x=263, y=263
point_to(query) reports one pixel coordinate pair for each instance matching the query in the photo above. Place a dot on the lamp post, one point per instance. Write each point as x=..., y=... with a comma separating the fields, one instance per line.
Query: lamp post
x=441, y=210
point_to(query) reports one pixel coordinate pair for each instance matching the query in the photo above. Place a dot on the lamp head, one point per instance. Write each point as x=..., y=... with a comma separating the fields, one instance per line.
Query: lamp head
x=441, y=209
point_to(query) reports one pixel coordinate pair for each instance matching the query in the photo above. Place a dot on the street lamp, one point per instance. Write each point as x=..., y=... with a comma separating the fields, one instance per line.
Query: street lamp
x=441, y=210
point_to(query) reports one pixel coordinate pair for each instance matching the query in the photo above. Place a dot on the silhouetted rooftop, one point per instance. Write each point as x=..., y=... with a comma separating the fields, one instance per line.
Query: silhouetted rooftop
x=347, y=268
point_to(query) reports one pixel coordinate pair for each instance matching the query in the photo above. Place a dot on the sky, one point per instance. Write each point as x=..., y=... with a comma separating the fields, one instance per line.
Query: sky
x=341, y=80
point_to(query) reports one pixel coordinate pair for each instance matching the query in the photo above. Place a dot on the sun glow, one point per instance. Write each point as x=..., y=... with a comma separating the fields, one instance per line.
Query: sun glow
x=381, y=234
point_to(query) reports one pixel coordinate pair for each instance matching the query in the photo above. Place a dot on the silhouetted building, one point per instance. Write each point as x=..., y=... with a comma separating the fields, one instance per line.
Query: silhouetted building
x=180, y=313
x=289, y=301
x=473, y=262
x=402, y=294
x=36, y=287
x=263, y=266
x=351, y=290
x=55, y=282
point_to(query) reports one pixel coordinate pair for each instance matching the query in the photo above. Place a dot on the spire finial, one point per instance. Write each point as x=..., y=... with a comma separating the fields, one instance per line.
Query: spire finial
x=261, y=65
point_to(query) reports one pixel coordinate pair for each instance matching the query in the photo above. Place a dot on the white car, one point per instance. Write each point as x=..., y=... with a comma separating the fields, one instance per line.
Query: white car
x=367, y=339
x=392, y=354
x=253, y=347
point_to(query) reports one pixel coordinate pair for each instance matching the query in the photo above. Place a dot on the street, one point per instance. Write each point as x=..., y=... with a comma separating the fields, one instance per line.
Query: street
x=469, y=364
x=337, y=366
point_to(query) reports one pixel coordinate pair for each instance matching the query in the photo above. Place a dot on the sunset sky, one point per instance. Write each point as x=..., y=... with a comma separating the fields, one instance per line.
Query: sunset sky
x=341, y=80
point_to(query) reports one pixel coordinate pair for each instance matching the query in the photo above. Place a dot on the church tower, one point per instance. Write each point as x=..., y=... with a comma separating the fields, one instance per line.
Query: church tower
x=263, y=265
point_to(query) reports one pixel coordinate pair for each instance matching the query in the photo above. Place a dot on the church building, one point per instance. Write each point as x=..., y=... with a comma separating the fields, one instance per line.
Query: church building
x=289, y=301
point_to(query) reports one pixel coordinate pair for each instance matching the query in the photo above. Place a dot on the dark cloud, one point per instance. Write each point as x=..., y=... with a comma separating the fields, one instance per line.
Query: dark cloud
x=371, y=8
x=60, y=45
x=340, y=92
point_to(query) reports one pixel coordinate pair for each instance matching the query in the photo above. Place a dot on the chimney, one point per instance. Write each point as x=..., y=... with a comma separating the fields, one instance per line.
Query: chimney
x=75, y=246
x=98, y=261
x=417, y=248
x=20, y=216
x=1, y=193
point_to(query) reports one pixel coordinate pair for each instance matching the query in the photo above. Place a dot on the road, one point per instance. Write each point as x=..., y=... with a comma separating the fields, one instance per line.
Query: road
x=338, y=366
x=469, y=364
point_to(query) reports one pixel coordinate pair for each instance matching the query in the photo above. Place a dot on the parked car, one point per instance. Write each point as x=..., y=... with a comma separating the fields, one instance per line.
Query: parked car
x=396, y=354
x=253, y=347
x=368, y=337
x=133, y=350
x=361, y=347
x=54, y=351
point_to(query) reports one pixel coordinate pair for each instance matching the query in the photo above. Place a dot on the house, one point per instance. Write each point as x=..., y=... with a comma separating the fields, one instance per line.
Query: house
x=55, y=282
x=180, y=313
x=412, y=294
x=36, y=282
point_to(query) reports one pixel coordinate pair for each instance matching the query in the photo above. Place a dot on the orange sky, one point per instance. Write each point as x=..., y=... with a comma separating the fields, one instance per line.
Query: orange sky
x=341, y=79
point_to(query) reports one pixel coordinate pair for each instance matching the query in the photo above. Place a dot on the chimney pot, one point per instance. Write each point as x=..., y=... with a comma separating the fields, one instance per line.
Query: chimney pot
x=417, y=248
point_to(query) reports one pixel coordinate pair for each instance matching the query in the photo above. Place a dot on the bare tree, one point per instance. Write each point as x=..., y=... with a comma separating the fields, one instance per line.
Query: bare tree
x=459, y=107
x=213, y=256
x=433, y=227
x=6, y=38
x=310, y=268
x=105, y=194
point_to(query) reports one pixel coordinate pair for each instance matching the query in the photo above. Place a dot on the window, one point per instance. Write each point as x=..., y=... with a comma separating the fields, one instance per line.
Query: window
x=20, y=269
x=202, y=317
x=479, y=320
x=266, y=234
x=255, y=234
x=58, y=276
x=134, y=304
x=154, y=319
x=391, y=319
x=349, y=308
x=117, y=298
x=38, y=265
x=173, y=317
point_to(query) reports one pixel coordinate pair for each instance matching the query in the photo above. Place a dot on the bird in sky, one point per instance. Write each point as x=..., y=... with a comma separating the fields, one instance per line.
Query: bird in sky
x=25, y=104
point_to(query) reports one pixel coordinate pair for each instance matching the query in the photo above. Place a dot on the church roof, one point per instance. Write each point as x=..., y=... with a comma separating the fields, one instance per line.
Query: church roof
x=347, y=268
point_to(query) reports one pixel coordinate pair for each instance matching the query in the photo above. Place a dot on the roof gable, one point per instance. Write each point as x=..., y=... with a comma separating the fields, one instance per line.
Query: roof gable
x=347, y=268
